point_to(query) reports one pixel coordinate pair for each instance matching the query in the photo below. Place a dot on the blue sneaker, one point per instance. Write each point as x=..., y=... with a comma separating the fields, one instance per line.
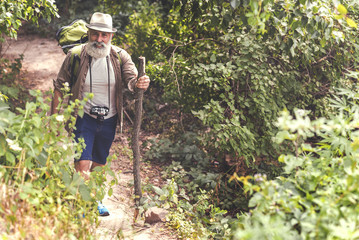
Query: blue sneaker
x=102, y=210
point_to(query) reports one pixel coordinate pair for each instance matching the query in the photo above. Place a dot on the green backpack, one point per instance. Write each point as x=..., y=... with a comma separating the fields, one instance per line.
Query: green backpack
x=72, y=35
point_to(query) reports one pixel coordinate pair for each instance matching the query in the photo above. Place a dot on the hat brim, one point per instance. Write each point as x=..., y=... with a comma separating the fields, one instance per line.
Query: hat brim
x=101, y=29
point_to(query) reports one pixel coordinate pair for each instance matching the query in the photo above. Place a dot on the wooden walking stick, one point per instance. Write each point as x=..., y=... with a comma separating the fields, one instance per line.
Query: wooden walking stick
x=135, y=139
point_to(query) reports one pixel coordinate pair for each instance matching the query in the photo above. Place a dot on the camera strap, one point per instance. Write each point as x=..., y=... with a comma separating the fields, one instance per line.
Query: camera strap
x=108, y=78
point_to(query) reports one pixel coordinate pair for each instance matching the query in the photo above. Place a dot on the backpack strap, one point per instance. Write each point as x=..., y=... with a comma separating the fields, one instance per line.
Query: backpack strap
x=119, y=58
x=118, y=51
x=75, y=63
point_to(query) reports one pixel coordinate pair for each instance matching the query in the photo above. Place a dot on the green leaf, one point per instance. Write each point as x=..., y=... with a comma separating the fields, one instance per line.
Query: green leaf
x=110, y=192
x=3, y=106
x=323, y=42
x=307, y=147
x=355, y=144
x=284, y=135
x=338, y=17
x=2, y=145
x=85, y=192
x=281, y=158
x=81, y=112
x=213, y=58
x=348, y=166
x=351, y=23
x=66, y=177
x=10, y=157
x=342, y=10
x=158, y=190
x=254, y=201
x=235, y=3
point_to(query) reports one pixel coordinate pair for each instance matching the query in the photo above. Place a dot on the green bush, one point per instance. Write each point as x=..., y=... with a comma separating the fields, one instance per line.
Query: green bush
x=42, y=196
x=180, y=157
x=317, y=196
x=235, y=65
x=13, y=12
x=10, y=82
x=192, y=219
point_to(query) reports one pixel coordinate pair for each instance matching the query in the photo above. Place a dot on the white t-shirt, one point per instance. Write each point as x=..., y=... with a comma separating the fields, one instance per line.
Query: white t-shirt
x=99, y=74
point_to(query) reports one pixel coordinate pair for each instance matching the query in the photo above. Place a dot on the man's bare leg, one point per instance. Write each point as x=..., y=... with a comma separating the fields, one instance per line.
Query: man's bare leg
x=103, y=211
x=83, y=166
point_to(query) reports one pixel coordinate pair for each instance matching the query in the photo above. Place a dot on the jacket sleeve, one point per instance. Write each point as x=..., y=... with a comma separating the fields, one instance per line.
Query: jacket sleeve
x=64, y=74
x=129, y=70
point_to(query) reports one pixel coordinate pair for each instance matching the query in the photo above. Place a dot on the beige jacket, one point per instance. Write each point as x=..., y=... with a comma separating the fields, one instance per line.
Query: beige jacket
x=125, y=75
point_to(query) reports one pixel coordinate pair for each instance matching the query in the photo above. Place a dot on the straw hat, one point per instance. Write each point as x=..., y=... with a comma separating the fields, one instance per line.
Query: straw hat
x=101, y=22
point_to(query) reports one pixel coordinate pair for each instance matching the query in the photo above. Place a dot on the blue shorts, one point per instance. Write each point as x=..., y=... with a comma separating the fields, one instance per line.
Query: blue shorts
x=98, y=137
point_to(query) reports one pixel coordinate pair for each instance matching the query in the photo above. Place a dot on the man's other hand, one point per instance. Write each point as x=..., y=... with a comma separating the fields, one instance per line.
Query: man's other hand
x=143, y=82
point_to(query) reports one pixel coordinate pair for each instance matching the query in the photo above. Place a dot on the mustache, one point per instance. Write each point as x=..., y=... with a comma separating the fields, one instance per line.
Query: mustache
x=98, y=44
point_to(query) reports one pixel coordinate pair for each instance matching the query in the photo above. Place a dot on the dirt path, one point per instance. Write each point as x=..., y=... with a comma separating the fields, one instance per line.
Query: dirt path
x=42, y=60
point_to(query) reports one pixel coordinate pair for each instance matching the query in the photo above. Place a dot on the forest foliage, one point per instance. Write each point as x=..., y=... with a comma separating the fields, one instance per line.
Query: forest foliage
x=245, y=99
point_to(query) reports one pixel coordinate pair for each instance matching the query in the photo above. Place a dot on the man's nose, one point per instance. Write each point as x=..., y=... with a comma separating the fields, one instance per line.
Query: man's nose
x=99, y=38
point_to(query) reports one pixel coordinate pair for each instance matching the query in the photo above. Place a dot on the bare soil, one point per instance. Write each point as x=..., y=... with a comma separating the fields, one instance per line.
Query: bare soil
x=42, y=61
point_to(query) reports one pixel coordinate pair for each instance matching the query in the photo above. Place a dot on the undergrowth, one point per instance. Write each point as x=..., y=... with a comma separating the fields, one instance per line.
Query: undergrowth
x=196, y=197
x=11, y=88
x=41, y=195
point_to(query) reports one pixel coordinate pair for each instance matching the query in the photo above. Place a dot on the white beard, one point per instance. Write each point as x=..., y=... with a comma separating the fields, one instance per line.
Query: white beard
x=95, y=52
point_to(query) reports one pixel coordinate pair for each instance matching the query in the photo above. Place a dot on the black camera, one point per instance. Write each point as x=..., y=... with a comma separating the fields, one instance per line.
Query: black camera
x=100, y=112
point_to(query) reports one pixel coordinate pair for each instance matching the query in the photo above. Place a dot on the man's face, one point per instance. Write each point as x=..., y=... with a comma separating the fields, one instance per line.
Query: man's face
x=100, y=37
